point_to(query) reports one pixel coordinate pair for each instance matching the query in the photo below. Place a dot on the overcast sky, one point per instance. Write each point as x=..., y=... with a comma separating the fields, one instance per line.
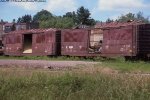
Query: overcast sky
x=100, y=9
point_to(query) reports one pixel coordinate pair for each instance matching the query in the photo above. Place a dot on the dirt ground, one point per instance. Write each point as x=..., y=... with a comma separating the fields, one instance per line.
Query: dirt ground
x=44, y=64
x=76, y=66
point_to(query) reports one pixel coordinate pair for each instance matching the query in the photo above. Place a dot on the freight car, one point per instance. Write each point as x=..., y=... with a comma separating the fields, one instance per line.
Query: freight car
x=113, y=39
x=131, y=40
x=81, y=42
x=36, y=42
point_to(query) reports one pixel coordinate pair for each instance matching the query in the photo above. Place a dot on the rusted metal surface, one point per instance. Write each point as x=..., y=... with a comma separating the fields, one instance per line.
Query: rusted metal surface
x=119, y=41
x=74, y=42
x=43, y=42
x=116, y=41
x=128, y=39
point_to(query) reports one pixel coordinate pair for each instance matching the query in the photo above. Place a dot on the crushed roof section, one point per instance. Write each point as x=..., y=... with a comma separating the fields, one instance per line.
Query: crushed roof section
x=117, y=24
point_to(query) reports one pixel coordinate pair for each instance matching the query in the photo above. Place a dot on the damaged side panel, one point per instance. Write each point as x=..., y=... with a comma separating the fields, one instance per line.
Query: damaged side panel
x=118, y=41
x=74, y=42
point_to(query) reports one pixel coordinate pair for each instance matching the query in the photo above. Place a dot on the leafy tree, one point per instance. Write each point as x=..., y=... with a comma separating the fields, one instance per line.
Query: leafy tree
x=2, y=21
x=47, y=20
x=127, y=17
x=25, y=19
x=139, y=16
x=109, y=20
x=19, y=20
x=131, y=16
x=48, y=24
x=83, y=17
x=72, y=15
x=43, y=15
x=58, y=22
x=14, y=21
x=64, y=22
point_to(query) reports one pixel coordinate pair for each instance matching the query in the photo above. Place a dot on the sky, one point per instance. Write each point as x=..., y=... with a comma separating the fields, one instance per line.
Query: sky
x=99, y=9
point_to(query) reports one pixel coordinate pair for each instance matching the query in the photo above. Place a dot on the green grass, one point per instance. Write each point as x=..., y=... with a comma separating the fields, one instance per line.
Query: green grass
x=37, y=85
x=42, y=58
x=128, y=66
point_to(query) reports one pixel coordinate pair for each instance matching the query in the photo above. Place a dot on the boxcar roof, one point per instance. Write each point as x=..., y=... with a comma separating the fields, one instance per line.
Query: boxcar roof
x=77, y=29
x=117, y=24
x=32, y=31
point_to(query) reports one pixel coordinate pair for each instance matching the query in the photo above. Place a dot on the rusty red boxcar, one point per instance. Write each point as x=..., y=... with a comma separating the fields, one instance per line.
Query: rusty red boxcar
x=82, y=42
x=32, y=42
x=127, y=39
x=113, y=39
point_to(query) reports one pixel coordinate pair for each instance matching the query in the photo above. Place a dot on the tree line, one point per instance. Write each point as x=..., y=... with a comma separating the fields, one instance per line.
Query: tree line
x=80, y=17
x=130, y=16
x=46, y=19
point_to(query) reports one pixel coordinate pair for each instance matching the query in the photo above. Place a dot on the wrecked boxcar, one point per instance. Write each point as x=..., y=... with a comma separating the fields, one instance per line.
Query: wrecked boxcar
x=82, y=42
x=111, y=39
x=32, y=42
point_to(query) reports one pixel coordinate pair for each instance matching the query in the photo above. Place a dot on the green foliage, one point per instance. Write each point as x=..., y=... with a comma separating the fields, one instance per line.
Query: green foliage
x=71, y=15
x=25, y=19
x=127, y=66
x=42, y=58
x=139, y=16
x=83, y=16
x=58, y=22
x=43, y=15
x=70, y=19
x=47, y=20
x=130, y=16
x=127, y=17
x=2, y=21
x=109, y=20
x=14, y=21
